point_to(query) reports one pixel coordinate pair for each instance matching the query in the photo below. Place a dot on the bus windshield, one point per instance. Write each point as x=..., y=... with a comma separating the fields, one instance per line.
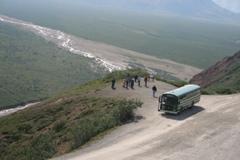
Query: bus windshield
x=170, y=99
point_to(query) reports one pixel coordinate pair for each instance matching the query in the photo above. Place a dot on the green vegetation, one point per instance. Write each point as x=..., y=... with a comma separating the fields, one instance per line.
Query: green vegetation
x=32, y=69
x=63, y=123
x=195, y=42
x=205, y=91
x=179, y=83
x=225, y=90
x=230, y=83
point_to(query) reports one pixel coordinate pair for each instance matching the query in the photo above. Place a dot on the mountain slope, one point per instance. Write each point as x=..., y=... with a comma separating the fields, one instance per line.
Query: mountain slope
x=224, y=74
x=232, y=5
x=201, y=9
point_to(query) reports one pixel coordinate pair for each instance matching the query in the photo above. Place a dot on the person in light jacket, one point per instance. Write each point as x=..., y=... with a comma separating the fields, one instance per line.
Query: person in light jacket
x=139, y=80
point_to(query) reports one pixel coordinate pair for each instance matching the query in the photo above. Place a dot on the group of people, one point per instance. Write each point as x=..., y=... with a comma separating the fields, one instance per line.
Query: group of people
x=129, y=82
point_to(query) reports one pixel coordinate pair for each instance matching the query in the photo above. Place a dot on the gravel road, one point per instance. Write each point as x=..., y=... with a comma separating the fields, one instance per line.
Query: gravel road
x=211, y=130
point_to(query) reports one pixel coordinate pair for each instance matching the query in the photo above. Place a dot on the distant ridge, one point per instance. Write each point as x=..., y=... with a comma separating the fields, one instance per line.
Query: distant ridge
x=200, y=9
x=225, y=73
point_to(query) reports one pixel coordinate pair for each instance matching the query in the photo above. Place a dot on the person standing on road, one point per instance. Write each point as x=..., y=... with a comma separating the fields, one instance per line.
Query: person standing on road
x=139, y=80
x=132, y=84
x=154, y=89
x=145, y=80
x=129, y=79
x=113, y=83
x=124, y=82
x=135, y=77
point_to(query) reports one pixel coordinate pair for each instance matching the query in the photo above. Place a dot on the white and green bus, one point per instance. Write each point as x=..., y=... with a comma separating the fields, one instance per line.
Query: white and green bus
x=179, y=99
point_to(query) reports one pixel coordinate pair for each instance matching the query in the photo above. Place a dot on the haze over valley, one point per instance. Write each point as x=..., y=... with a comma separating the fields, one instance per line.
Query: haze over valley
x=232, y=5
x=159, y=29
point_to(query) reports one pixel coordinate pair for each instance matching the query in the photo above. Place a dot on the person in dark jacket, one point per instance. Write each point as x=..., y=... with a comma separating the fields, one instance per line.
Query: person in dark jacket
x=113, y=83
x=136, y=77
x=132, y=84
x=154, y=89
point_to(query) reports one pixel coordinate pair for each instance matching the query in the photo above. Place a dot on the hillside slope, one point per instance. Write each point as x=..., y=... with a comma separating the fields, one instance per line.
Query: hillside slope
x=198, y=133
x=64, y=122
x=224, y=74
x=32, y=69
x=57, y=124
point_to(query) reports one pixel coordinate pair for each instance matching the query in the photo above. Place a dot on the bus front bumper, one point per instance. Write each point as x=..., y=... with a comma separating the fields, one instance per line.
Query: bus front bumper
x=167, y=111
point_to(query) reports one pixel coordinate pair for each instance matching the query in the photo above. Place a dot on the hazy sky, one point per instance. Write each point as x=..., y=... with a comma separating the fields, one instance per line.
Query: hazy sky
x=232, y=5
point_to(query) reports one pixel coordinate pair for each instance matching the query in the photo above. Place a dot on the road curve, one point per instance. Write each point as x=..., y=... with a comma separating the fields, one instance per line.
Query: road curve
x=211, y=130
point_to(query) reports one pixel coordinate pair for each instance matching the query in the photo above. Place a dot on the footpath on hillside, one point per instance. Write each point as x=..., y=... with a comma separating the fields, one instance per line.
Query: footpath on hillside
x=142, y=92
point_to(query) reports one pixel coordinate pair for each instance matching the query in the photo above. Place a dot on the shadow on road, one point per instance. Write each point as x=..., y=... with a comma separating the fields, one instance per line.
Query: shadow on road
x=136, y=119
x=183, y=114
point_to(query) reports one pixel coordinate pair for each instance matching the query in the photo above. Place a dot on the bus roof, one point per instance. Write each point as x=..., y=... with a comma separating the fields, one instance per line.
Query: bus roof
x=183, y=90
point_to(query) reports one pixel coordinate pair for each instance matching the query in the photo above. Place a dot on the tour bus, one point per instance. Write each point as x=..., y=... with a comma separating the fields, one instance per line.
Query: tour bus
x=179, y=99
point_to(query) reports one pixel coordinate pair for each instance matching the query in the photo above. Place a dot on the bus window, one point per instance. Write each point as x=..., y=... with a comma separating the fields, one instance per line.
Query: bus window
x=170, y=100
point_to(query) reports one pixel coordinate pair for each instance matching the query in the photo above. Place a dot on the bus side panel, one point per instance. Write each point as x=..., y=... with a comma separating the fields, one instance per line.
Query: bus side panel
x=187, y=103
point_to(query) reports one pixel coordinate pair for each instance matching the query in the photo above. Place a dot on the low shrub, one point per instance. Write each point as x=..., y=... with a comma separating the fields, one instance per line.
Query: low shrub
x=25, y=127
x=59, y=126
x=225, y=91
x=100, y=122
x=41, y=148
x=179, y=83
x=123, y=111
x=205, y=91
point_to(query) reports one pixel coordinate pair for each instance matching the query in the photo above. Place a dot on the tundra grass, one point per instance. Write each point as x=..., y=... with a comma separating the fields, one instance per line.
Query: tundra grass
x=32, y=69
x=62, y=124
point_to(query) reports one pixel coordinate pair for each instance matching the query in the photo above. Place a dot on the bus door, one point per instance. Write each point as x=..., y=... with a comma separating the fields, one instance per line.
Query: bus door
x=159, y=103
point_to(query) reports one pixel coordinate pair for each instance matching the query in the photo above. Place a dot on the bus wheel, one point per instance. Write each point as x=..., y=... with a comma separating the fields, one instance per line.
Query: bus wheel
x=192, y=105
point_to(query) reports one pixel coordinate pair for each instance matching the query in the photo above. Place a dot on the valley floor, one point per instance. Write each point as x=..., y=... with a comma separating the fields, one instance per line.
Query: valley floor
x=110, y=57
x=208, y=131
